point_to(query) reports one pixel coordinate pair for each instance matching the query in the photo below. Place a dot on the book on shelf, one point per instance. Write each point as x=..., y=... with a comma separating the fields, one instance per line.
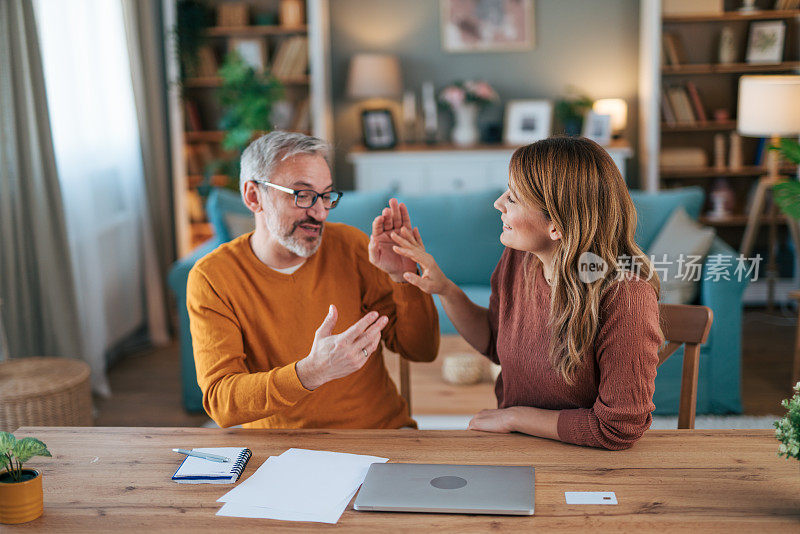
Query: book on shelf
x=207, y=65
x=302, y=117
x=679, y=99
x=782, y=5
x=193, y=120
x=291, y=58
x=697, y=104
x=673, y=51
x=676, y=158
x=666, y=110
x=692, y=7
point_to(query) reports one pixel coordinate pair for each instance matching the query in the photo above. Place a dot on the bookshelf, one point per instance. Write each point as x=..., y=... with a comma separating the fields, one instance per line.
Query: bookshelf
x=681, y=54
x=195, y=112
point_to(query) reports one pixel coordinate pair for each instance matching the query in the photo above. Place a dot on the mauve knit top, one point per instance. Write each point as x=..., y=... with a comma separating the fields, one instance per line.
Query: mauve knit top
x=610, y=401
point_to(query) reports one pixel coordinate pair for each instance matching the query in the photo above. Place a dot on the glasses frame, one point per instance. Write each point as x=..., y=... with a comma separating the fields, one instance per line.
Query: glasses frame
x=296, y=192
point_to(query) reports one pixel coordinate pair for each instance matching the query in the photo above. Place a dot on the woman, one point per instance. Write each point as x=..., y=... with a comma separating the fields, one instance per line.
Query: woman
x=578, y=345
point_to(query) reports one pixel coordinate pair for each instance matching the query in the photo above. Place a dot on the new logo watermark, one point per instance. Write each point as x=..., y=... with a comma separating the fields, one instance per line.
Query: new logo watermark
x=682, y=267
x=591, y=267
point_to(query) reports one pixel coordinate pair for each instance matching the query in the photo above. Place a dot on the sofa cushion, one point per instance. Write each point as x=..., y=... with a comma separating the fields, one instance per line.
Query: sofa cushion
x=221, y=204
x=359, y=208
x=461, y=231
x=479, y=294
x=680, y=242
x=655, y=208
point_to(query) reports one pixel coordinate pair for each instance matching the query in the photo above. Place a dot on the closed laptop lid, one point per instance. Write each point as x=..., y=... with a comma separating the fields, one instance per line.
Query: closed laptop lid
x=474, y=489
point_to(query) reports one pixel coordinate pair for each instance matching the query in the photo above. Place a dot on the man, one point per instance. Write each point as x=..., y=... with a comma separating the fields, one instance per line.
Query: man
x=287, y=321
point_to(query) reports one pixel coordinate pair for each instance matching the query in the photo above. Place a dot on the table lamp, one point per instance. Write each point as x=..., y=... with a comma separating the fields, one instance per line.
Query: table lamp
x=769, y=106
x=374, y=76
x=617, y=109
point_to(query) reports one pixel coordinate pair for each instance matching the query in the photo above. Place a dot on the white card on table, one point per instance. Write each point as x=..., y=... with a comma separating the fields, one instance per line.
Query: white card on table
x=590, y=497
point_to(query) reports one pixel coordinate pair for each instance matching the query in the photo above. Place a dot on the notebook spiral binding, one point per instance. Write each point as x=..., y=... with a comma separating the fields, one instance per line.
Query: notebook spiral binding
x=241, y=462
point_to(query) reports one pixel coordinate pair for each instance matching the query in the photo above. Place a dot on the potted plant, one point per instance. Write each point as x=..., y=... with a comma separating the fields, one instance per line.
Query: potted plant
x=465, y=98
x=20, y=489
x=788, y=428
x=247, y=98
x=570, y=110
x=787, y=194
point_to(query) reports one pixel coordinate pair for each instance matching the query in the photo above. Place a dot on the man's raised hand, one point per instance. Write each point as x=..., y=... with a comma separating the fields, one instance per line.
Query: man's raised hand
x=335, y=356
x=381, y=252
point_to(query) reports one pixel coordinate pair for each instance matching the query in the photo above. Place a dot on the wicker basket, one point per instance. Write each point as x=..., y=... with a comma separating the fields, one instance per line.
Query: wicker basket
x=41, y=391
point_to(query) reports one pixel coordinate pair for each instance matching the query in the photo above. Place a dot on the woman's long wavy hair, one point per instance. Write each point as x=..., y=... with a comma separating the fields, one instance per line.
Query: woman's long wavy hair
x=578, y=187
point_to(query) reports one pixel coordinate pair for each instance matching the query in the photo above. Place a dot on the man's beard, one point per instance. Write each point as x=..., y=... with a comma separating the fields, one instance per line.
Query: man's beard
x=304, y=247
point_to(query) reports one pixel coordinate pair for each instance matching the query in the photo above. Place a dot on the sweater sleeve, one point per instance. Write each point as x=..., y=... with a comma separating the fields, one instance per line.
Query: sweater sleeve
x=626, y=350
x=494, y=305
x=232, y=394
x=413, y=327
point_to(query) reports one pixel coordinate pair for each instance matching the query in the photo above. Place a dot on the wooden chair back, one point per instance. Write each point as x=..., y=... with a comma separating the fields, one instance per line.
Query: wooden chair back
x=689, y=326
x=405, y=382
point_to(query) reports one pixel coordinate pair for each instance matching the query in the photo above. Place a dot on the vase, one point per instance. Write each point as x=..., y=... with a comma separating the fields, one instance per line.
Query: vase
x=21, y=502
x=465, y=130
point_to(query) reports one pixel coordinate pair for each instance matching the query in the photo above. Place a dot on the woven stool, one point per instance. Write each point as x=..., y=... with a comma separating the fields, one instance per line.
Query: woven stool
x=44, y=392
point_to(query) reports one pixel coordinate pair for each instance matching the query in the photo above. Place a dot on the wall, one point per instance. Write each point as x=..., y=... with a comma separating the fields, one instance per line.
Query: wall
x=589, y=44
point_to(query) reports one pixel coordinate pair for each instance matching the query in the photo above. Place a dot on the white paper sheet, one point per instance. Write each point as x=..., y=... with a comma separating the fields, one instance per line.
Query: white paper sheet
x=590, y=497
x=300, y=485
x=232, y=509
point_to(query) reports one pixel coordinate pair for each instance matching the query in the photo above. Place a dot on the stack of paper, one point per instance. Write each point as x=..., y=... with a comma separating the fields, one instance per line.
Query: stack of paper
x=300, y=485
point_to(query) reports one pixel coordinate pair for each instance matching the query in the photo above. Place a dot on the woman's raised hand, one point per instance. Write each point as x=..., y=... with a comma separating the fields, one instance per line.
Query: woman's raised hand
x=431, y=280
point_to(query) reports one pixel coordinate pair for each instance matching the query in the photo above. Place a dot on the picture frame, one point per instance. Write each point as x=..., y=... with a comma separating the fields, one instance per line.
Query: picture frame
x=597, y=127
x=487, y=25
x=765, y=43
x=527, y=121
x=253, y=51
x=379, y=132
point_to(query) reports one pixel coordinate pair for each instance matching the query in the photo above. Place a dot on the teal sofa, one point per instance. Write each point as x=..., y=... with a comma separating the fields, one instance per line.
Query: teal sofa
x=462, y=232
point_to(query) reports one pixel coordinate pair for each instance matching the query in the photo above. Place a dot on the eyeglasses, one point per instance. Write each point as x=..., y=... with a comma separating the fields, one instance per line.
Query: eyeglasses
x=306, y=198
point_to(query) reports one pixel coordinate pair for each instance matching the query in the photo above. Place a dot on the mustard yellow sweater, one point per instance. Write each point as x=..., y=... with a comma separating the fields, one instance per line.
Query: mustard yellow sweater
x=250, y=324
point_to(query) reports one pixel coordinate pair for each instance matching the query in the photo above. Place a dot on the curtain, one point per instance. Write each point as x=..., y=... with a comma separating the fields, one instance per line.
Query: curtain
x=145, y=40
x=99, y=158
x=39, y=306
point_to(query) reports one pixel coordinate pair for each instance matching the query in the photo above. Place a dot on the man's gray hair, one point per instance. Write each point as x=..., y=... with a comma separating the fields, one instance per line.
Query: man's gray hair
x=262, y=155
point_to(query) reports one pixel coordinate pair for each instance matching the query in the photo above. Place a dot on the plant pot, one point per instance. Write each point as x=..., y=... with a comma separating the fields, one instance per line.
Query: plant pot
x=20, y=502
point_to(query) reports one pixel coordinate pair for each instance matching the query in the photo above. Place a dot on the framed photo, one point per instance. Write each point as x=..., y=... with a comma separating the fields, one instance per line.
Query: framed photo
x=597, y=127
x=253, y=51
x=765, y=44
x=487, y=25
x=527, y=121
x=378, y=128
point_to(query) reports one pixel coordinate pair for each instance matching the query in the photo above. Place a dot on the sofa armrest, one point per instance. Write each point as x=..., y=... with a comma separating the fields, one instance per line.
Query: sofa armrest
x=179, y=272
x=724, y=346
x=718, y=293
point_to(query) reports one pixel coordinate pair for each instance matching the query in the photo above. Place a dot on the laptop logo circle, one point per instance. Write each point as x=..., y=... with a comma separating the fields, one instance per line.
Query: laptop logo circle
x=448, y=482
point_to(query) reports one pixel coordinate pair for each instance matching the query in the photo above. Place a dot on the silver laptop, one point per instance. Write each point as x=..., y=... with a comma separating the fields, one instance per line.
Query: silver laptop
x=436, y=488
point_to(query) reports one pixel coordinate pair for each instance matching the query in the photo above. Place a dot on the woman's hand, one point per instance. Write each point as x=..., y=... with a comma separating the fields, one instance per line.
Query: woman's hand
x=500, y=421
x=381, y=255
x=431, y=280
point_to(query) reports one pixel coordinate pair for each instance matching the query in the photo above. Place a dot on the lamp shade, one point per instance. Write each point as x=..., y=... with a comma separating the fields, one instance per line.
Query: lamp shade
x=769, y=105
x=374, y=76
x=617, y=108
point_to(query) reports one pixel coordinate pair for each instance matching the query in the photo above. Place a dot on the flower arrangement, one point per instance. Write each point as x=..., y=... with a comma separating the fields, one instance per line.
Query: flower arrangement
x=788, y=428
x=459, y=93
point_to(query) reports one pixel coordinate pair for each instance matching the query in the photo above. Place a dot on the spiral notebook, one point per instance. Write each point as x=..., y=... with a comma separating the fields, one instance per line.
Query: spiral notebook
x=195, y=470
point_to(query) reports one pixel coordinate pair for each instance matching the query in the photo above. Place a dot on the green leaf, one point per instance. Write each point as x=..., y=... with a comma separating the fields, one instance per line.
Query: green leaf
x=27, y=448
x=7, y=441
x=5, y=463
x=787, y=196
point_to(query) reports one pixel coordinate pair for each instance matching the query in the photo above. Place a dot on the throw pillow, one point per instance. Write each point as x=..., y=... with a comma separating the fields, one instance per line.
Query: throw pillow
x=678, y=253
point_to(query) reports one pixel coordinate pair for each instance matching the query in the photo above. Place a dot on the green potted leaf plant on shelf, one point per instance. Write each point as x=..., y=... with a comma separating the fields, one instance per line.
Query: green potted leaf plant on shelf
x=246, y=97
x=788, y=428
x=21, y=498
x=787, y=193
x=570, y=111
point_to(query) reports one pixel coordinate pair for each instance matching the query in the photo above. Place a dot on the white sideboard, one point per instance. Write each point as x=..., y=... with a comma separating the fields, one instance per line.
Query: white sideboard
x=415, y=169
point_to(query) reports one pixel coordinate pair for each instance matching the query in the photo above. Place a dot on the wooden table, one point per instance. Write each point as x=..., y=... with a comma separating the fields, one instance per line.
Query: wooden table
x=111, y=479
